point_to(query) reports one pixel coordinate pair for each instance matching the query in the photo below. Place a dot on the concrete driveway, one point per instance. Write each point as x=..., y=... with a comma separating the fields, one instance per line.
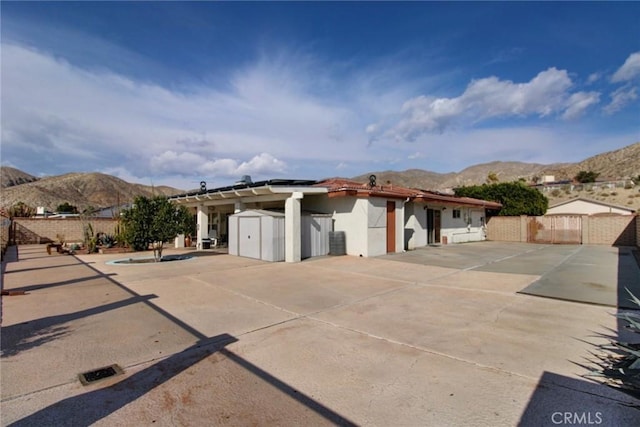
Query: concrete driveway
x=582, y=273
x=338, y=340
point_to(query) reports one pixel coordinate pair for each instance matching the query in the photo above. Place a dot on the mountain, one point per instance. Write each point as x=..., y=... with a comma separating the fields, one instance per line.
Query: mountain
x=622, y=163
x=78, y=189
x=12, y=176
x=100, y=190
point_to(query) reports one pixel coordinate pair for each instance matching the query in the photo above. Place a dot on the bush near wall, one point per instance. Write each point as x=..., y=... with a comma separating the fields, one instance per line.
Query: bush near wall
x=46, y=230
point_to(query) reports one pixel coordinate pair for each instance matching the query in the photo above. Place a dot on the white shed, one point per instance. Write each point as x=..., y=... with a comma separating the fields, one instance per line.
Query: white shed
x=257, y=234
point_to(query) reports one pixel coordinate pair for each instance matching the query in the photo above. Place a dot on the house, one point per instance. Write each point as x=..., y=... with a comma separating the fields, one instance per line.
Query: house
x=584, y=206
x=376, y=219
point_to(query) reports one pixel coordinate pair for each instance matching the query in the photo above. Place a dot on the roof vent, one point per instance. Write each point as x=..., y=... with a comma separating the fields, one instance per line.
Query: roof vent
x=245, y=180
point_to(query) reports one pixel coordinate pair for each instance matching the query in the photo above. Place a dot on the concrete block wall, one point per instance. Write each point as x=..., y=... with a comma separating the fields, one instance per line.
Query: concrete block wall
x=620, y=230
x=44, y=230
x=611, y=230
x=507, y=229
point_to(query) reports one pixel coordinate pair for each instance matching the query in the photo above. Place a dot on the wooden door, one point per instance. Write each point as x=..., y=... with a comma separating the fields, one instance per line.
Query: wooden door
x=437, y=225
x=391, y=227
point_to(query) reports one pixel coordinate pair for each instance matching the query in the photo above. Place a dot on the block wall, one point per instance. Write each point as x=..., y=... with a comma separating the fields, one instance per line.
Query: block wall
x=45, y=230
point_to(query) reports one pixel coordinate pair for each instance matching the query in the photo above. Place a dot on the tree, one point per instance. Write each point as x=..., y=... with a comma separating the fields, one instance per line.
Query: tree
x=154, y=221
x=67, y=208
x=516, y=198
x=492, y=178
x=586, y=176
x=21, y=210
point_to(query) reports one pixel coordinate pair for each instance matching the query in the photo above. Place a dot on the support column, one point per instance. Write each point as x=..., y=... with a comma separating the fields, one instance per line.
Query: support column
x=292, y=232
x=203, y=225
x=238, y=207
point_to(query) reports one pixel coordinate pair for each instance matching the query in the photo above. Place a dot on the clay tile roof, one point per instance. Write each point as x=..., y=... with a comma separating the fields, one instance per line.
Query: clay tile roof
x=346, y=187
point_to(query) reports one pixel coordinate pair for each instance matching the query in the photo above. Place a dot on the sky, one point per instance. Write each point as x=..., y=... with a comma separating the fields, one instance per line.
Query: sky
x=174, y=93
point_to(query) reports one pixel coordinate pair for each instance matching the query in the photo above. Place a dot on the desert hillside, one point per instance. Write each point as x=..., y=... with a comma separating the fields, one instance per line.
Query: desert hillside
x=622, y=163
x=79, y=189
x=11, y=176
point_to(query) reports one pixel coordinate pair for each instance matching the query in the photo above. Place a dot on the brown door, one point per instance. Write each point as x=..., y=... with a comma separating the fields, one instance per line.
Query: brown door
x=391, y=227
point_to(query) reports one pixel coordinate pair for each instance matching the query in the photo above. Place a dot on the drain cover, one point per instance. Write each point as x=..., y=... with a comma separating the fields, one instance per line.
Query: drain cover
x=100, y=374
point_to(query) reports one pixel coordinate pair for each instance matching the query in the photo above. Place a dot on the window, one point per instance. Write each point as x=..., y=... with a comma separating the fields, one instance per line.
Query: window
x=456, y=213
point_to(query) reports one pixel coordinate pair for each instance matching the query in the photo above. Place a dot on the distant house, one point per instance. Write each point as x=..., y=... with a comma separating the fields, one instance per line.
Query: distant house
x=376, y=219
x=584, y=206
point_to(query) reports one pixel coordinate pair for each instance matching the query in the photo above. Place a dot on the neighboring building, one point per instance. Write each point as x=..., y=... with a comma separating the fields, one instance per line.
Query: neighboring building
x=375, y=219
x=583, y=206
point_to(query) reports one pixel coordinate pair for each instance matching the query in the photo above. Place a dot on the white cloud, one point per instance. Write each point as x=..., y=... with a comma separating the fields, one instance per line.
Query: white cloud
x=620, y=98
x=578, y=103
x=59, y=115
x=546, y=94
x=187, y=163
x=416, y=155
x=629, y=70
x=593, y=77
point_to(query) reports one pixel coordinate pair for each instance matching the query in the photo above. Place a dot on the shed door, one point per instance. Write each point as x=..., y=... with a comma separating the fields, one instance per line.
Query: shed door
x=391, y=227
x=249, y=237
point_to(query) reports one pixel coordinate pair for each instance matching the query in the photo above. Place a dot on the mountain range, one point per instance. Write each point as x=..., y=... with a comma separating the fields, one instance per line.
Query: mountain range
x=100, y=190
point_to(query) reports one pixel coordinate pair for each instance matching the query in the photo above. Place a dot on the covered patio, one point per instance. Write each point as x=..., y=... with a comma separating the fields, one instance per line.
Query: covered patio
x=213, y=207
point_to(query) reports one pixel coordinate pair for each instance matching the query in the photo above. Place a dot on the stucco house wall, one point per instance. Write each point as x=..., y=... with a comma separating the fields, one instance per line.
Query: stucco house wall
x=363, y=219
x=349, y=214
x=415, y=231
x=467, y=228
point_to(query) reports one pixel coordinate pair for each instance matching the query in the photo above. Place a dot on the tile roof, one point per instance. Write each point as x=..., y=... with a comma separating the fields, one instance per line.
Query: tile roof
x=338, y=187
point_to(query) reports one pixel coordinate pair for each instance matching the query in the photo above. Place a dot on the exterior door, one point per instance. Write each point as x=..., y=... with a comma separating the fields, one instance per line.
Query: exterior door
x=434, y=221
x=391, y=227
x=437, y=225
x=249, y=237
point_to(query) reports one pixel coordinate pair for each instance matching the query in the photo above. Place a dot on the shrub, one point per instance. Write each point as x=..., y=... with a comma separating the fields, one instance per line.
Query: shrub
x=555, y=193
x=516, y=198
x=618, y=363
x=586, y=176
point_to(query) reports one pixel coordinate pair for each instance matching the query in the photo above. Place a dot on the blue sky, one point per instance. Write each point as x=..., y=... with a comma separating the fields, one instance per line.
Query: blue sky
x=178, y=92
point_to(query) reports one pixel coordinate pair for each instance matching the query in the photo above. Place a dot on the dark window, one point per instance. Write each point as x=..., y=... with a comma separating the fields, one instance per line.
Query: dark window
x=456, y=213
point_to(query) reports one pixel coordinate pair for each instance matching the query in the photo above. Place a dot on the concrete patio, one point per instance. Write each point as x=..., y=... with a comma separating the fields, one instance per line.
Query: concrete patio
x=225, y=340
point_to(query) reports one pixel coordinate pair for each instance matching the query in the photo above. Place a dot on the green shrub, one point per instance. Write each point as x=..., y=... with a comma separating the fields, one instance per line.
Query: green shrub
x=618, y=363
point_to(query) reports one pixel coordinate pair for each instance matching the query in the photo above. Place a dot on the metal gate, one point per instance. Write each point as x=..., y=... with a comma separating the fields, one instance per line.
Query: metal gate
x=555, y=229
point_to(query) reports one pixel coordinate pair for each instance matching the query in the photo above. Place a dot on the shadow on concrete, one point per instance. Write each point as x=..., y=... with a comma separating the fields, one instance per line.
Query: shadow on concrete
x=285, y=388
x=61, y=283
x=28, y=335
x=39, y=268
x=560, y=400
x=90, y=407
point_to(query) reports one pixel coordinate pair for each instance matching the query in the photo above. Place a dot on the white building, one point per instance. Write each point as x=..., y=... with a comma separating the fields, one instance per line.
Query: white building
x=583, y=206
x=375, y=219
